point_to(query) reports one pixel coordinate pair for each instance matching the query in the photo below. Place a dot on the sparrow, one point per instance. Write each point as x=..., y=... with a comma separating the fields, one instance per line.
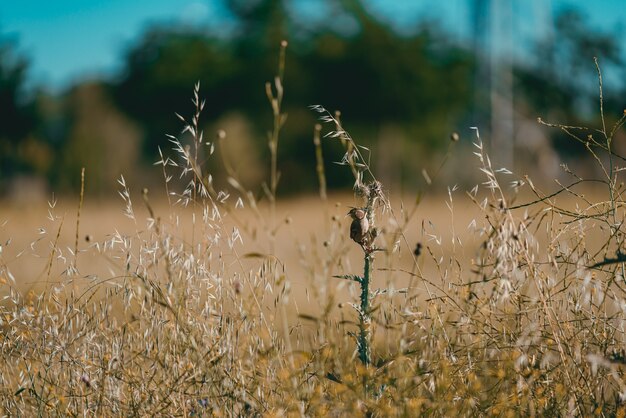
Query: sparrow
x=359, y=227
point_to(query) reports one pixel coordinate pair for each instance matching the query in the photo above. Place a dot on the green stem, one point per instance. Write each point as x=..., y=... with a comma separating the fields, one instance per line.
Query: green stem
x=364, y=314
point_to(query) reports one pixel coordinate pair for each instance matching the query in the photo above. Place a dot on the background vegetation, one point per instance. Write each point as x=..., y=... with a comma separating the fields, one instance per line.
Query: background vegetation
x=403, y=93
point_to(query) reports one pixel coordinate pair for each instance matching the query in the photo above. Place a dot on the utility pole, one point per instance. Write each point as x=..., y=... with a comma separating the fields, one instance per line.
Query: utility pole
x=480, y=37
x=501, y=91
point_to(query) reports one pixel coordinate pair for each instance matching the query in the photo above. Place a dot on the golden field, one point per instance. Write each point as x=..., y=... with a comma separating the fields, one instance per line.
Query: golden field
x=303, y=225
x=185, y=311
x=500, y=300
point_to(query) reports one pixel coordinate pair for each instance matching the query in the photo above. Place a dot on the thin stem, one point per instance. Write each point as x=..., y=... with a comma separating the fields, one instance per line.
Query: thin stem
x=319, y=167
x=364, y=314
x=80, y=206
x=611, y=172
x=595, y=60
x=276, y=102
x=279, y=120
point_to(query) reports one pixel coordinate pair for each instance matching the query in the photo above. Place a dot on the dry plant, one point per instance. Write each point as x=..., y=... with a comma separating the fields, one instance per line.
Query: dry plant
x=188, y=323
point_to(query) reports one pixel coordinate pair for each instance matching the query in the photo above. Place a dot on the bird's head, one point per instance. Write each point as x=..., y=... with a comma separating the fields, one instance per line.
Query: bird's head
x=356, y=213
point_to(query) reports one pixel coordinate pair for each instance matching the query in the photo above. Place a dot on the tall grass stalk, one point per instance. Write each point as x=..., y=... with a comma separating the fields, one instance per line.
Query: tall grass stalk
x=319, y=161
x=275, y=97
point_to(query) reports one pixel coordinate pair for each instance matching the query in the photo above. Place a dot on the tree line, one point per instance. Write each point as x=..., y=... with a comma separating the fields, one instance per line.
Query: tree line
x=420, y=86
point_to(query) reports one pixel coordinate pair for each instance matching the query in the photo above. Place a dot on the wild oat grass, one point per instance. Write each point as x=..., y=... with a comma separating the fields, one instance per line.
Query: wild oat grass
x=187, y=323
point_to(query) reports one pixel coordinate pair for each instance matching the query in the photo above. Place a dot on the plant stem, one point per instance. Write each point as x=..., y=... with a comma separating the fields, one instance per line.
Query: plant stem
x=364, y=313
x=279, y=120
x=319, y=159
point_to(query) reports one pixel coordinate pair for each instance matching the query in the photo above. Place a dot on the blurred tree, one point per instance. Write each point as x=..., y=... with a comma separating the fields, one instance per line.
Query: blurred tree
x=99, y=138
x=560, y=79
x=405, y=91
x=578, y=44
x=18, y=114
x=417, y=81
x=561, y=84
x=163, y=66
x=160, y=73
x=378, y=75
x=262, y=25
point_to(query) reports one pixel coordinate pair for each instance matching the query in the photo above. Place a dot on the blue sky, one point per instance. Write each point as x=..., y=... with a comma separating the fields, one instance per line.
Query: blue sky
x=68, y=40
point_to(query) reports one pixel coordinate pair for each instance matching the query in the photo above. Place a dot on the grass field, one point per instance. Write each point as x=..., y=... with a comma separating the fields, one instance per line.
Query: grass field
x=304, y=224
x=500, y=300
x=492, y=319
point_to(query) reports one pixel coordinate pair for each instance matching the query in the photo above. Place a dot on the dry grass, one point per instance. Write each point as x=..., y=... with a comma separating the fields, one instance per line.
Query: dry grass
x=204, y=302
x=171, y=316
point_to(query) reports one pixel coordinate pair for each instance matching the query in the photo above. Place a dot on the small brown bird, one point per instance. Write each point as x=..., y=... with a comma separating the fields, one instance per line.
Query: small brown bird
x=359, y=227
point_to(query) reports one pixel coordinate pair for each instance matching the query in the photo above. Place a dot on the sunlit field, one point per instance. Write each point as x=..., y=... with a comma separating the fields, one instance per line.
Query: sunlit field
x=305, y=229
x=179, y=311
x=502, y=299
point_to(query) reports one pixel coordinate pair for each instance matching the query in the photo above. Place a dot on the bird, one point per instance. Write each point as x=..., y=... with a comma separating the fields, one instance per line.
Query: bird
x=359, y=228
